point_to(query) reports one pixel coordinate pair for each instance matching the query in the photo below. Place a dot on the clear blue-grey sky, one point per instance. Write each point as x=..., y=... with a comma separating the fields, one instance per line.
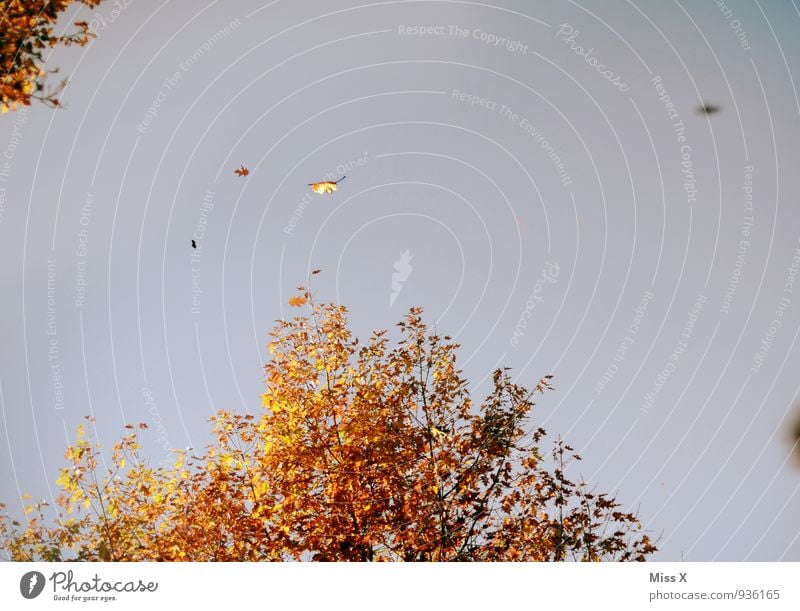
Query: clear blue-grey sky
x=534, y=174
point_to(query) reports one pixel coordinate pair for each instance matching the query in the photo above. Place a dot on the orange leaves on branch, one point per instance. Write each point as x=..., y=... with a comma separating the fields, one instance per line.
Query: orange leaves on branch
x=27, y=29
x=363, y=452
x=544, y=384
x=297, y=301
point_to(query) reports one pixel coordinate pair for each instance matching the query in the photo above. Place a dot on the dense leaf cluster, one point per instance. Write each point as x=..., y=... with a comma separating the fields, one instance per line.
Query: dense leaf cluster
x=27, y=29
x=362, y=453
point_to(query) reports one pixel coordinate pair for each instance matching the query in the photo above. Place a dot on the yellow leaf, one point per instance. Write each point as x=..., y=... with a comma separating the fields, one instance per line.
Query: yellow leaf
x=297, y=301
x=438, y=432
x=327, y=186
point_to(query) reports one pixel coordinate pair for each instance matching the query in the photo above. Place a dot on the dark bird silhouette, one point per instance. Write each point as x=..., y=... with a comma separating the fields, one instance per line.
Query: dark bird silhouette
x=194, y=244
x=707, y=109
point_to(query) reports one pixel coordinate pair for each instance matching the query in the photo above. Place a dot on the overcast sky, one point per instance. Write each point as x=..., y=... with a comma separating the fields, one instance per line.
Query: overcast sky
x=535, y=175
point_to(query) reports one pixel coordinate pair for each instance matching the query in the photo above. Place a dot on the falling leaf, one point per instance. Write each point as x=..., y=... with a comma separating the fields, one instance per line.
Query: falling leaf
x=327, y=186
x=316, y=271
x=298, y=301
x=242, y=171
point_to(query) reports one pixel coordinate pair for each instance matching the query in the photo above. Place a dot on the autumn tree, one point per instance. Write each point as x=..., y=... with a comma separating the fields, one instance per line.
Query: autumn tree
x=27, y=29
x=361, y=453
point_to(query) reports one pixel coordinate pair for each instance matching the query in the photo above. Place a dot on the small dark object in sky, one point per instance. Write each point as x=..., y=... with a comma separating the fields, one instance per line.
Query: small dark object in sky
x=796, y=432
x=707, y=109
x=194, y=244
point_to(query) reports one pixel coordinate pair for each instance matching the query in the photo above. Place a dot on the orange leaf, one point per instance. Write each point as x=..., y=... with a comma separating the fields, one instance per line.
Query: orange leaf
x=297, y=301
x=326, y=186
x=242, y=171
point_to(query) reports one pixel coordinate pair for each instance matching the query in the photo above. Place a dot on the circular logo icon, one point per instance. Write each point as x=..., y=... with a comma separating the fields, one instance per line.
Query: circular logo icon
x=31, y=584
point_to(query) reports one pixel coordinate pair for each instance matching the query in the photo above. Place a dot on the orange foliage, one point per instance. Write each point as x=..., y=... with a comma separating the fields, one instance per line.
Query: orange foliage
x=328, y=186
x=26, y=30
x=370, y=453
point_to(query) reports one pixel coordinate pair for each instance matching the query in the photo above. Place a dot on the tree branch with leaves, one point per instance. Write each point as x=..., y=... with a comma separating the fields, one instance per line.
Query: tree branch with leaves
x=27, y=29
x=361, y=453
